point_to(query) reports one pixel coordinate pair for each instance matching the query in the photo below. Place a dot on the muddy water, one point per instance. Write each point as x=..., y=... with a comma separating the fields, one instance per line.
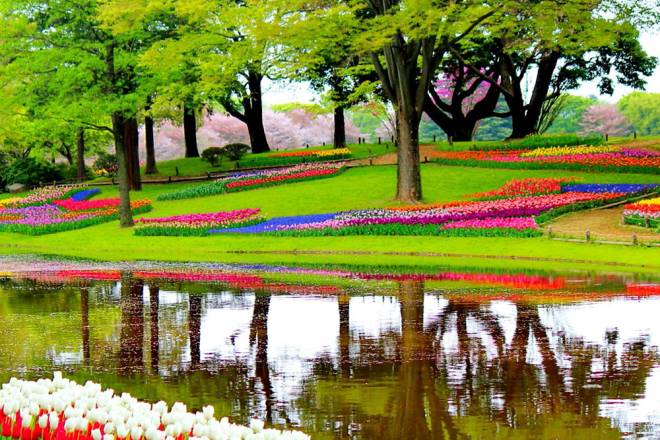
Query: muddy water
x=351, y=354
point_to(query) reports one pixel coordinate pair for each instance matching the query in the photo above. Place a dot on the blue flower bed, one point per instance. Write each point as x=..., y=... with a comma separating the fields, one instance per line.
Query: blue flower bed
x=85, y=194
x=609, y=187
x=272, y=224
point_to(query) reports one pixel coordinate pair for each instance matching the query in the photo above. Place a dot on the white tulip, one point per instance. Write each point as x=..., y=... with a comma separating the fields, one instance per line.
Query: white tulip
x=108, y=437
x=53, y=421
x=256, y=425
x=43, y=421
x=109, y=428
x=208, y=411
x=122, y=431
x=136, y=433
x=96, y=434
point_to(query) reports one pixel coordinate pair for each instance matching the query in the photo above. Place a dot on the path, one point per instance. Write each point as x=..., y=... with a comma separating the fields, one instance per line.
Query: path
x=390, y=158
x=603, y=224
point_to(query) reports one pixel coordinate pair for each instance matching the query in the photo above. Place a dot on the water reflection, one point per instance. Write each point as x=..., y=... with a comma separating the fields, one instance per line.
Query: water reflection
x=405, y=361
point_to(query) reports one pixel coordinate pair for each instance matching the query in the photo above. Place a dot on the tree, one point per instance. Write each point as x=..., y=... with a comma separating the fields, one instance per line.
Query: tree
x=643, y=111
x=89, y=70
x=407, y=42
x=556, y=46
x=459, y=99
x=569, y=116
x=604, y=119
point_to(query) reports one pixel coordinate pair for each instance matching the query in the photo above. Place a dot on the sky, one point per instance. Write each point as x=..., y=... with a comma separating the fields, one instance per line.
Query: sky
x=277, y=93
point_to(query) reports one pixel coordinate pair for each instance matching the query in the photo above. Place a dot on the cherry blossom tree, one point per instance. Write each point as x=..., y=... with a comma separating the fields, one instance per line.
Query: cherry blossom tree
x=604, y=119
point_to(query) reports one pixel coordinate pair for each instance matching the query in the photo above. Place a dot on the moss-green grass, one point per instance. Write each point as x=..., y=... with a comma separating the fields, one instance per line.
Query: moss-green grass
x=365, y=187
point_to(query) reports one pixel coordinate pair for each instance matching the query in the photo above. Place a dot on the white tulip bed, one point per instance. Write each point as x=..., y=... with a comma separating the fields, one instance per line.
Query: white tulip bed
x=61, y=409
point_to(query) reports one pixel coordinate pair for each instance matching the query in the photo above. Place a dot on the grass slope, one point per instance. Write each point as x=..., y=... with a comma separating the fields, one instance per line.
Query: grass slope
x=366, y=187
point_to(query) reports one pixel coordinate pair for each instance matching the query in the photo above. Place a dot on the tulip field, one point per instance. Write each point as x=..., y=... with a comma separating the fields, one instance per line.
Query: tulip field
x=242, y=181
x=514, y=210
x=60, y=409
x=466, y=210
x=580, y=158
x=56, y=209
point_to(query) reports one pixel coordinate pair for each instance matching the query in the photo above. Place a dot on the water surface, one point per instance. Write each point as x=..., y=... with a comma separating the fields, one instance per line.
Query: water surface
x=346, y=353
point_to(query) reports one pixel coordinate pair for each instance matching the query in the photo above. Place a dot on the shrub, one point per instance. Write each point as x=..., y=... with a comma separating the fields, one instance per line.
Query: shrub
x=213, y=155
x=106, y=164
x=235, y=151
x=30, y=171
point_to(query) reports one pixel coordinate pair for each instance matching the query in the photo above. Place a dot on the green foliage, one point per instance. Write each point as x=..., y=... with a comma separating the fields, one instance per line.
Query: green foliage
x=315, y=109
x=30, y=172
x=569, y=117
x=212, y=155
x=643, y=111
x=235, y=151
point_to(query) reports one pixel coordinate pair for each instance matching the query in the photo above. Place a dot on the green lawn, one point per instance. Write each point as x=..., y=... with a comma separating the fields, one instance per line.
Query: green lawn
x=366, y=187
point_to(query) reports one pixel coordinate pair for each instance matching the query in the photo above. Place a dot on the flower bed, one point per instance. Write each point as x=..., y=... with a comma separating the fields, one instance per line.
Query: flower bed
x=643, y=213
x=515, y=216
x=50, y=409
x=242, y=181
x=611, y=158
x=48, y=194
x=296, y=157
x=526, y=187
x=27, y=216
x=197, y=224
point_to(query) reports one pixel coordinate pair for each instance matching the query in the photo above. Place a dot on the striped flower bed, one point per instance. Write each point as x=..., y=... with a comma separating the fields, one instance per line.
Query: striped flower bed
x=514, y=216
x=197, y=224
x=67, y=211
x=609, y=158
x=60, y=409
x=243, y=181
x=643, y=213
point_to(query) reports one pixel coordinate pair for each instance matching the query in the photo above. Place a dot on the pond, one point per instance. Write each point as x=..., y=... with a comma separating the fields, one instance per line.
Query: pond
x=349, y=353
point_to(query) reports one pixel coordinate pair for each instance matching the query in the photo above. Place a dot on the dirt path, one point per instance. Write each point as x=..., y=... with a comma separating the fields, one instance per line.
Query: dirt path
x=390, y=158
x=603, y=224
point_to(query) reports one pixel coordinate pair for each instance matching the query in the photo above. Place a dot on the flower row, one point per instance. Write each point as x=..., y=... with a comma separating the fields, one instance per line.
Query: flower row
x=573, y=158
x=197, y=224
x=526, y=187
x=60, y=409
x=242, y=181
x=336, y=152
x=561, y=151
x=643, y=213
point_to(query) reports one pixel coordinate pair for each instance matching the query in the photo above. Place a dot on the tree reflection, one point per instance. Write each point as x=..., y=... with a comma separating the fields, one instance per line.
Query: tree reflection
x=259, y=340
x=154, y=305
x=131, y=337
x=195, y=328
x=84, y=323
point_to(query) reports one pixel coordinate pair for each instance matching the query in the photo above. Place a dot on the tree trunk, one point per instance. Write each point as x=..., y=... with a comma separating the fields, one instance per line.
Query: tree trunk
x=258, y=140
x=340, y=128
x=150, y=146
x=80, y=156
x=409, y=180
x=131, y=139
x=254, y=115
x=118, y=128
x=190, y=131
